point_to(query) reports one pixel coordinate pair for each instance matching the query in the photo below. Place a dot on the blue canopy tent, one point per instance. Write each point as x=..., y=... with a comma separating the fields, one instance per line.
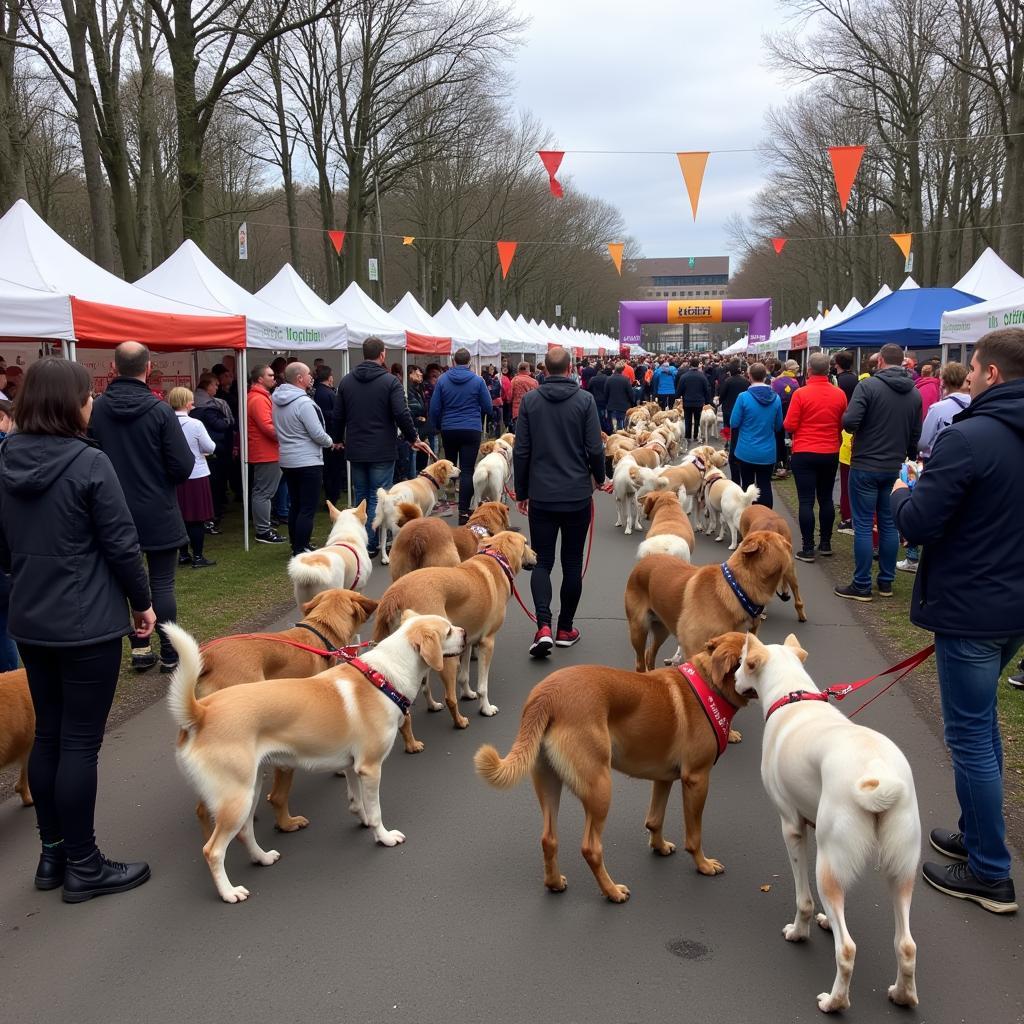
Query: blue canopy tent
x=911, y=318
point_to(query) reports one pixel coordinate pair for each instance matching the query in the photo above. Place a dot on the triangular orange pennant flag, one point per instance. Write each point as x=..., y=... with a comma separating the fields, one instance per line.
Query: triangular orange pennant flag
x=692, y=165
x=903, y=241
x=552, y=159
x=779, y=244
x=506, y=250
x=408, y=239
x=337, y=240
x=615, y=251
x=845, y=162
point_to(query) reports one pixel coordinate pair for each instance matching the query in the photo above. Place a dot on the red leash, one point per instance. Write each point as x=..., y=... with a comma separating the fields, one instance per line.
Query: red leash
x=348, y=651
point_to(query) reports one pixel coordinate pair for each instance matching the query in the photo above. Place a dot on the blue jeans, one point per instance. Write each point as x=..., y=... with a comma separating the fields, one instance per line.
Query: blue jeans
x=366, y=477
x=969, y=671
x=869, y=498
x=8, y=649
x=281, y=505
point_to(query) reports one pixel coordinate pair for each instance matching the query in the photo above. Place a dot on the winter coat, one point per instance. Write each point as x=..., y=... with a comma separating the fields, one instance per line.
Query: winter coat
x=141, y=437
x=522, y=383
x=693, y=388
x=299, y=424
x=815, y=416
x=323, y=395
x=558, y=446
x=599, y=389
x=460, y=400
x=369, y=410
x=587, y=375
x=884, y=417
x=930, y=390
x=940, y=415
x=619, y=393
x=663, y=380
x=965, y=513
x=757, y=415
x=216, y=417
x=418, y=408
x=67, y=535
x=260, y=431
x=785, y=386
x=732, y=387
x=846, y=382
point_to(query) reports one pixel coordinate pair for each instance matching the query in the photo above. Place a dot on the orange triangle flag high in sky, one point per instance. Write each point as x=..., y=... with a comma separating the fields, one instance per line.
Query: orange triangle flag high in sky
x=337, y=240
x=903, y=241
x=408, y=239
x=506, y=250
x=615, y=251
x=845, y=162
x=692, y=165
x=552, y=159
x=779, y=244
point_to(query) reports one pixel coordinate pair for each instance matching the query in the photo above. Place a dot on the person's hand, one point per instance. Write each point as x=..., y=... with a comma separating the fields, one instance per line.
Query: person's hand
x=145, y=622
x=524, y=507
x=608, y=487
x=337, y=446
x=899, y=485
x=422, y=446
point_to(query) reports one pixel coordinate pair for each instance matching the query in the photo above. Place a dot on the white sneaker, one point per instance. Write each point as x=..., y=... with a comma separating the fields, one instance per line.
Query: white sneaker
x=907, y=565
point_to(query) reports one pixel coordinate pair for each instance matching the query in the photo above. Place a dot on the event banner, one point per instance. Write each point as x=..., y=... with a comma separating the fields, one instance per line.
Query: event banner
x=699, y=311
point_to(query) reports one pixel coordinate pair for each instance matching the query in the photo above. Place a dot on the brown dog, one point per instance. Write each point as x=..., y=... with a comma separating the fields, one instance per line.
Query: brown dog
x=581, y=722
x=17, y=728
x=423, y=543
x=670, y=532
x=758, y=517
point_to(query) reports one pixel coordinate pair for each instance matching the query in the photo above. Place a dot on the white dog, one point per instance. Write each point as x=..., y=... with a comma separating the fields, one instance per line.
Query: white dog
x=423, y=490
x=724, y=504
x=853, y=786
x=708, y=424
x=343, y=561
x=627, y=479
x=492, y=473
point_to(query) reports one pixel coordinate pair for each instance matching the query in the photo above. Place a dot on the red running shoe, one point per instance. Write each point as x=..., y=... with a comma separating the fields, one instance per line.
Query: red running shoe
x=542, y=643
x=567, y=637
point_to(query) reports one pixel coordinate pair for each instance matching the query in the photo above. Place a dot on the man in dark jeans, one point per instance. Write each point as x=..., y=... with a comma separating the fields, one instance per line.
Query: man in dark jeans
x=324, y=394
x=695, y=391
x=558, y=460
x=143, y=439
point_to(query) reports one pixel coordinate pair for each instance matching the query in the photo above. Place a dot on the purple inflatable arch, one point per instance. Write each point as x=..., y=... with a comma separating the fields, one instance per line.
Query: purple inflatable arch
x=757, y=313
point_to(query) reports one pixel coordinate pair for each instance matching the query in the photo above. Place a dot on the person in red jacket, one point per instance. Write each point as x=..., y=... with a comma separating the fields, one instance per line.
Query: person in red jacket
x=263, y=452
x=815, y=419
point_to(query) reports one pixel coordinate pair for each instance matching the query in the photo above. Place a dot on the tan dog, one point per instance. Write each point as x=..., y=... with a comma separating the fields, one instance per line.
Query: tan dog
x=492, y=473
x=757, y=517
x=427, y=542
x=581, y=722
x=342, y=562
x=421, y=490
x=338, y=719
x=472, y=595
x=670, y=532
x=17, y=728
x=689, y=473
x=708, y=424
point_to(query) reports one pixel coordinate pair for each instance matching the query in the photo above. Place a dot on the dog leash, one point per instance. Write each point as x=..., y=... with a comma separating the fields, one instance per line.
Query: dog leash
x=339, y=653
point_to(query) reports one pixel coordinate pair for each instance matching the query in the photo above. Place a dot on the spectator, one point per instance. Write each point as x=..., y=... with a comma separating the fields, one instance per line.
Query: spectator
x=215, y=415
x=663, y=383
x=558, y=460
x=965, y=512
x=815, y=419
x=458, y=406
x=194, y=497
x=67, y=537
x=757, y=418
x=8, y=649
x=599, y=389
x=785, y=385
x=885, y=420
x=10, y=390
x=846, y=379
x=521, y=383
x=141, y=437
x=263, y=452
x=619, y=392
x=278, y=366
x=301, y=437
x=929, y=387
x=693, y=388
x=734, y=386
x=418, y=407
x=493, y=381
x=588, y=373
x=324, y=393
x=369, y=409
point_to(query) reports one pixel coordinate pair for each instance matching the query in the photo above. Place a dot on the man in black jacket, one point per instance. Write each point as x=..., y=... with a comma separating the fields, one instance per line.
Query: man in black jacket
x=695, y=391
x=846, y=379
x=619, y=396
x=558, y=460
x=324, y=394
x=969, y=590
x=143, y=439
x=369, y=410
x=732, y=387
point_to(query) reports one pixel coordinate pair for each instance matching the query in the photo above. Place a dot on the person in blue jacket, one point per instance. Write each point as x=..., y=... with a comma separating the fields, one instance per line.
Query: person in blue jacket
x=757, y=417
x=663, y=384
x=458, y=406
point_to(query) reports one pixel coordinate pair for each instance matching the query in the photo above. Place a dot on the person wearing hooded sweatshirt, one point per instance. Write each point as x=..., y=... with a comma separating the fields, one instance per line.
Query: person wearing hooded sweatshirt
x=301, y=439
x=67, y=538
x=757, y=418
x=884, y=417
x=930, y=387
x=663, y=383
x=458, y=406
x=969, y=591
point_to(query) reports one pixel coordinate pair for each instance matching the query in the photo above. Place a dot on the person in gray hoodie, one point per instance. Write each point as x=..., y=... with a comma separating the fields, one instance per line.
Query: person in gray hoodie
x=301, y=436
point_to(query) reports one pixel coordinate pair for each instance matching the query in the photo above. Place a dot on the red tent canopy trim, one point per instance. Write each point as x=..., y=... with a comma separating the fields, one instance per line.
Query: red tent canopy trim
x=96, y=323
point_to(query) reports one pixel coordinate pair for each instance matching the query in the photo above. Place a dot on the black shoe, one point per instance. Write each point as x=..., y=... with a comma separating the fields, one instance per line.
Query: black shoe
x=852, y=593
x=97, y=876
x=957, y=880
x=167, y=667
x=184, y=559
x=275, y=522
x=949, y=844
x=825, y=549
x=143, y=661
x=373, y=553
x=1017, y=681
x=211, y=529
x=885, y=590
x=805, y=555
x=270, y=537
x=202, y=563
x=845, y=527
x=50, y=870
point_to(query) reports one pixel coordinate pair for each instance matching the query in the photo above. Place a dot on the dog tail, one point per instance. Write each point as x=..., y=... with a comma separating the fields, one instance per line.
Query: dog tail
x=388, y=614
x=505, y=772
x=186, y=711
x=385, y=509
x=878, y=788
x=664, y=544
x=750, y=495
x=407, y=512
x=304, y=575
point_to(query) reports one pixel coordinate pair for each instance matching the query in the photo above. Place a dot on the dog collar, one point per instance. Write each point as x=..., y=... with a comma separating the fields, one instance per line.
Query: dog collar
x=699, y=463
x=481, y=531
x=355, y=554
x=795, y=698
x=426, y=476
x=753, y=610
x=503, y=562
x=716, y=708
x=377, y=679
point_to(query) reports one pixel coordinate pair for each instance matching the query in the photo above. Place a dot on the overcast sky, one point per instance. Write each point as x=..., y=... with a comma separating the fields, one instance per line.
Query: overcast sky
x=654, y=74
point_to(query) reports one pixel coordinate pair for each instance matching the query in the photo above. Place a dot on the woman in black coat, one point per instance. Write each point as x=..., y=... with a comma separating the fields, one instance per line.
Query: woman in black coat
x=68, y=539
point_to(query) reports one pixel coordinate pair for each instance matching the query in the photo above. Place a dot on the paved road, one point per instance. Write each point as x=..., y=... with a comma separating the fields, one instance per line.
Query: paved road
x=455, y=925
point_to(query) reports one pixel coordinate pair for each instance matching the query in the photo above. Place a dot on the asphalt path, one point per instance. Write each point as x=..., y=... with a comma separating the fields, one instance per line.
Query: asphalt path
x=455, y=925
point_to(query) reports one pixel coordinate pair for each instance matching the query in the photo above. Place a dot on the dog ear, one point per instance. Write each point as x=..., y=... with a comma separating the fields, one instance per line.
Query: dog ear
x=360, y=511
x=756, y=656
x=726, y=653
x=426, y=641
x=313, y=602
x=332, y=511
x=367, y=604
x=794, y=645
x=408, y=614
x=750, y=546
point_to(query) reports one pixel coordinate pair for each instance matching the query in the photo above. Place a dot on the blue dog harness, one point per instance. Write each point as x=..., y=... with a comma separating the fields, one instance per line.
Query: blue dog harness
x=753, y=610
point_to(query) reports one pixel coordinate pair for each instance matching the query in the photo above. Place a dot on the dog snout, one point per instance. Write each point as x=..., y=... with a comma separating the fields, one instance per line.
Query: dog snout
x=529, y=558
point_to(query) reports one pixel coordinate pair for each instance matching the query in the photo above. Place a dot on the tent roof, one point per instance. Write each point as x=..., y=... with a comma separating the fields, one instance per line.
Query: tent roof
x=425, y=336
x=967, y=325
x=990, y=277
x=365, y=319
x=909, y=285
x=882, y=292
x=910, y=318
x=461, y=325
x=287, y=291
x=524, y=338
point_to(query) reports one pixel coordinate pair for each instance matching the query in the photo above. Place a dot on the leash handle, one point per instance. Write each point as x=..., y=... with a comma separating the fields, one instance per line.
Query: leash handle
x=907, y=666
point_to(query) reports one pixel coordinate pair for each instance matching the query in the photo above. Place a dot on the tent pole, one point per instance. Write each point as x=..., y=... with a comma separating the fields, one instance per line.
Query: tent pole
x=65, y=349
x=243, y=436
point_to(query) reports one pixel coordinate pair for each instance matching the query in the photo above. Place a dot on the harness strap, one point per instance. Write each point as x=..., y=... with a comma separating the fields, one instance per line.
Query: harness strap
x=717, y=708
x=753, y=610
x=378, y=680
x=503, y=562
x=355, y=554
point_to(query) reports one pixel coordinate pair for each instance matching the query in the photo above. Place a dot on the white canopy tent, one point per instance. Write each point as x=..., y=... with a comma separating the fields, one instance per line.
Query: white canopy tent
x=989, y=278
x=961, y=328
x=365, y=319
x=524, y=341
x=426, y=336
x=909, y=285
x=287, y=291
x=480, y=343
x=882, y=293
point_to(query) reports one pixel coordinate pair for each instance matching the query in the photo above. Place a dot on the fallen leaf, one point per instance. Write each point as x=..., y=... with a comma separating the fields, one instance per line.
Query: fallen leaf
x=766, y=888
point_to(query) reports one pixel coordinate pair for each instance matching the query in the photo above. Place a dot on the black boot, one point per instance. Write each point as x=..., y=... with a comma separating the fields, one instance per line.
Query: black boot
x=52, y=862
x=97, y=876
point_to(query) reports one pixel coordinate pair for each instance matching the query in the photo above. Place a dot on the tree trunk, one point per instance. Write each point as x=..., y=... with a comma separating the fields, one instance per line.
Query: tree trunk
x=1013, y=184
x=181, y=47
x=147, y=139
x=13, y=184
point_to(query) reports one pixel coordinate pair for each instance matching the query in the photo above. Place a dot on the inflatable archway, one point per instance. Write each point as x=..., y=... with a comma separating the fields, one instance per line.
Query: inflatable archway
x=757, y=313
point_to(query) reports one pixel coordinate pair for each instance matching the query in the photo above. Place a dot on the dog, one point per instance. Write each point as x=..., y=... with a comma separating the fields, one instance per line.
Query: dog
x=472, y=595
x=723, y=503
x=338, y=719
x=342, y=563
x=759, y=517
x=492, y=472
x=422, y=490
x=708, y=424
x=581, y=722
x=627, y=479
x=688, y=474
x=426, y=542
x=670, y=532
x=854, y=787
x=17, y=728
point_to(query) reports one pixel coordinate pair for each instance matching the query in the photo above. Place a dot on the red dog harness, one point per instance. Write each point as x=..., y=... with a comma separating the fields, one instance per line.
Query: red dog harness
x=355, y=554
x=503, y=562
x=716, y=708
x=377, y=679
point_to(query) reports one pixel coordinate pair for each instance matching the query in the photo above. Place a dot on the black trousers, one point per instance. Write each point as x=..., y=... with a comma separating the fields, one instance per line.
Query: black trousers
x=462, y=448
x=303, y=498
x=691, y=421
x=72, y=689
x=162, y=566
x=220, y=467
x=334, y=475
x=734, y=463
x=755, y=473
x=196, y=539
x=665, y=400
x=815, y=475
x=545, y=528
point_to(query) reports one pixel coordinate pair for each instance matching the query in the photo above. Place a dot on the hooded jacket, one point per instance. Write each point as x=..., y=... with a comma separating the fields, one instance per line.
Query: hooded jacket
x=460, y=400
x=299, y=424
x=599, y=389
x=930, y=389
x=965, y=512
x=663, y=380
x=757, y=415
x=693, y=388
x=558, y=446
x=259, y=425
x=141, y=437
x=67, y=535
x=884, y=417
x=369, y=410
x=732, y=387
x=619, y=393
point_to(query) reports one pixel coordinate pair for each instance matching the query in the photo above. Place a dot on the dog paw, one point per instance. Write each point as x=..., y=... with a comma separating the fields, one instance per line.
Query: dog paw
x=469, y=695
x=434, y=705
x=732, y=547
x=828, y=1003
x=489, y=710
x=823, y=922
x=414, y=748
x=735, y=736
x=292, y=823
x=236, y=894
x=266, y=858
x=560, y=886
x=664, y=848
x=392, y=838
x=619, y=894
x=901, y=996
x=710, y=866
x=462, y=722
x=794, y=933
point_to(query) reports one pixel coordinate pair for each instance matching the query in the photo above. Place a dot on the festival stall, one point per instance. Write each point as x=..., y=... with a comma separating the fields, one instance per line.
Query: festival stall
x=426, y=336
x=365, y=319
x=466, y=332
x=514, y=340
x=990, y=278
x=489, y=331
x=963, y=327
